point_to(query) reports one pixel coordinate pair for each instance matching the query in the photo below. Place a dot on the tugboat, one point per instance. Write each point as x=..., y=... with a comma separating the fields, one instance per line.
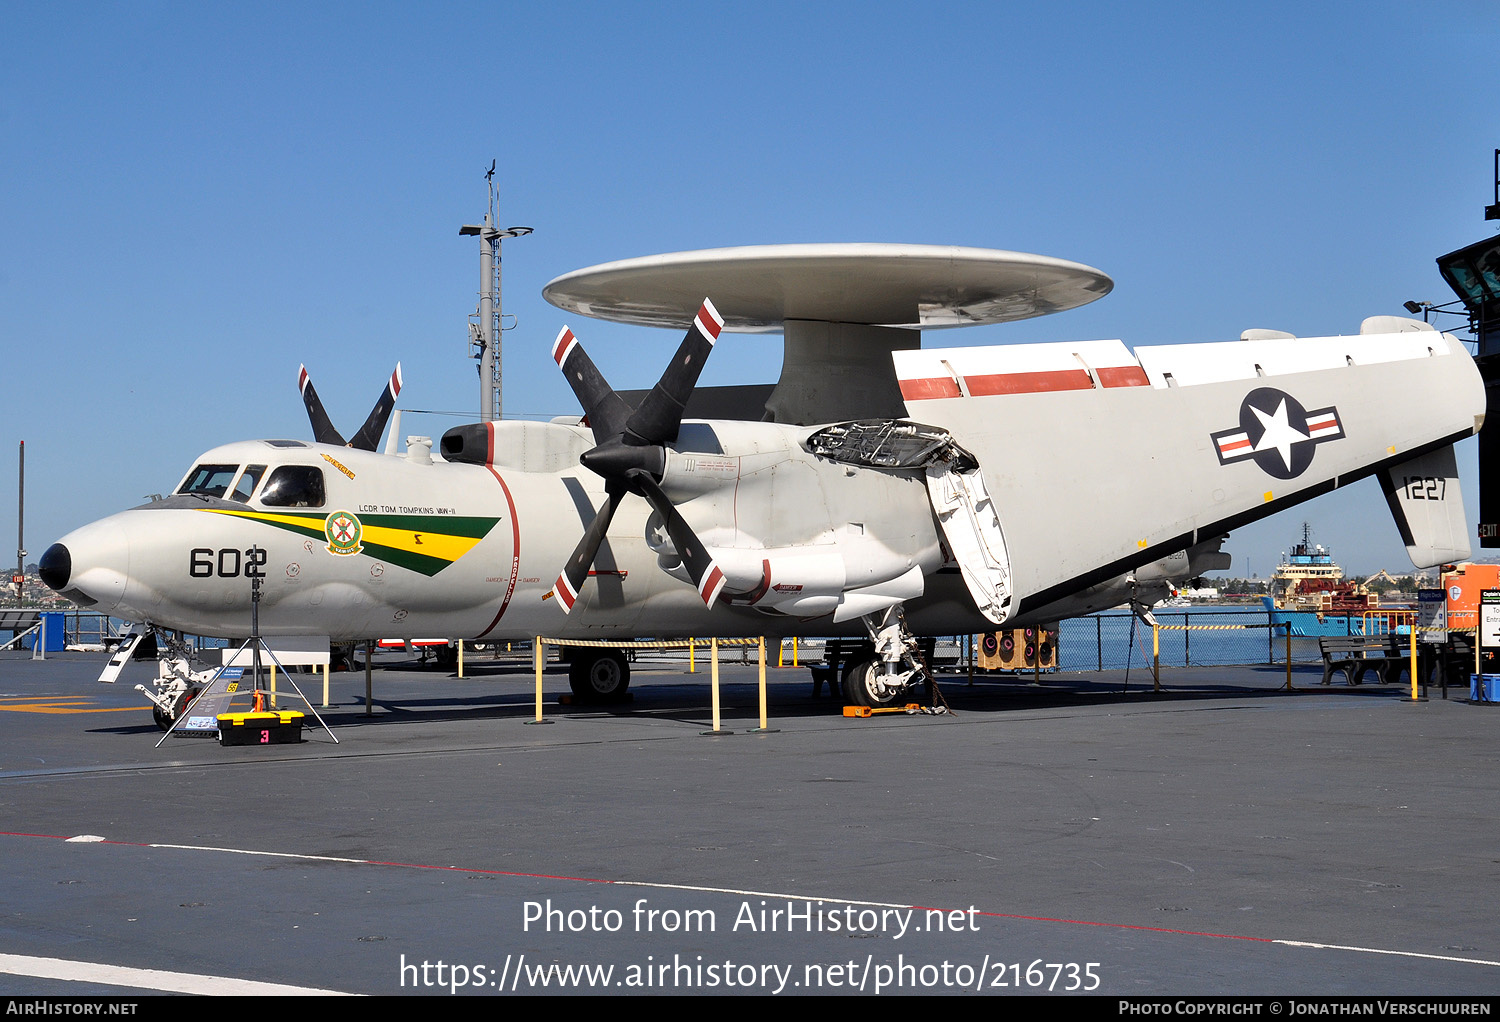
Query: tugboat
x=1309, y=592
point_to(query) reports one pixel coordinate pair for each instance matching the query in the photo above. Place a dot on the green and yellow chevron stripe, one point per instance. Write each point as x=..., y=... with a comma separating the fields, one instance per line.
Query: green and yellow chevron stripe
x=422, y=543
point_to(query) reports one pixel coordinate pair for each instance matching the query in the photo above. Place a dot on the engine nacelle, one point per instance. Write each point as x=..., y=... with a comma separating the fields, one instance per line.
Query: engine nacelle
x=686, y=475
x=518, y=444
x=793, y=532
x=791, y=581
x=804, y=583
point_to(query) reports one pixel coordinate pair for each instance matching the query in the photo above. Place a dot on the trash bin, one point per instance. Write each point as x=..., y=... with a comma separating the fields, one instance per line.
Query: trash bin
x=54, y=627
x=1491, y=683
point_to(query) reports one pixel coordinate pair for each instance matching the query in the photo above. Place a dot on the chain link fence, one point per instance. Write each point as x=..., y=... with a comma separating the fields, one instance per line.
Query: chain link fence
x=1211, y=637
x=1187, y=638
x=1227, y=637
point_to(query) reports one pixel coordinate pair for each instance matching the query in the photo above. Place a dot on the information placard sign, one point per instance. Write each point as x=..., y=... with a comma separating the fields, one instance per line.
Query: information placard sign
x=1489, y=618
x=1432, y=616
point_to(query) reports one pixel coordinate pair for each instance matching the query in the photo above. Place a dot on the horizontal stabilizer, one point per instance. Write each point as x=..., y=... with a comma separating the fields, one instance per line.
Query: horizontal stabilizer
x=1428, y=507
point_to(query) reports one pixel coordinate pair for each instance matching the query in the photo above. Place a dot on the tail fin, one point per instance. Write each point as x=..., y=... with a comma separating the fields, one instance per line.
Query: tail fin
x=323, y=431
x=1428, y=506
x=368, y=437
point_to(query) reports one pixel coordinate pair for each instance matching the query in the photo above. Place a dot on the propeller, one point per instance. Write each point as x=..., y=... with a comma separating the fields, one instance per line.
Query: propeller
x=368, y=436
x=630, y=452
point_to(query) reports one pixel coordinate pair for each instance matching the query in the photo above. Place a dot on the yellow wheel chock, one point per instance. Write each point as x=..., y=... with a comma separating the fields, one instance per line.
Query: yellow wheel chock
x=870, y=711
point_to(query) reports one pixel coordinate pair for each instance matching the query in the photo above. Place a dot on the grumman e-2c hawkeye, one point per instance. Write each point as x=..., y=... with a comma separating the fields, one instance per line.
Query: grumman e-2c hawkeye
x=879, y=490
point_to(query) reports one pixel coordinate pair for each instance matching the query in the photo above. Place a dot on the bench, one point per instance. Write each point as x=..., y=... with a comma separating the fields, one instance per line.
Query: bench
x=1357, y=654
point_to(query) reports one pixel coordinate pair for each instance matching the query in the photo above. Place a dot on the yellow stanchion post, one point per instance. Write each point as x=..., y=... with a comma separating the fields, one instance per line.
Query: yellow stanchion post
x=1156, y=656
x=273, y=684
x=325, y=686
x=539, y=653
x=1414, y=661
x=713, y=684
x=691, y=665
x=762, y=645
x=460, y=658
x=1289, y=656
x=794, y=651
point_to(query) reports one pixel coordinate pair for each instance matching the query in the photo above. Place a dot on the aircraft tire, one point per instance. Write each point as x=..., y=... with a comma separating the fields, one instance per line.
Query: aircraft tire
x=858, y=685
x=165, y=720
x=599, y=675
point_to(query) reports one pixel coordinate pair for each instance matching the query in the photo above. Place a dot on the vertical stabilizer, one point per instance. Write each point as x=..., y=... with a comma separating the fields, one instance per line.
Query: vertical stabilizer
x=1428, y=506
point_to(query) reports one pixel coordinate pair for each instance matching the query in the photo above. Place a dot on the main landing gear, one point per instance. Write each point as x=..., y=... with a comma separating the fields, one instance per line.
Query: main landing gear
x=598, y=675
x=893, y=672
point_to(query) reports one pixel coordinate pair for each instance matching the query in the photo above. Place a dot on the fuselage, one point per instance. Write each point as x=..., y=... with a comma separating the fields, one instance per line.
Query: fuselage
x=366, y=545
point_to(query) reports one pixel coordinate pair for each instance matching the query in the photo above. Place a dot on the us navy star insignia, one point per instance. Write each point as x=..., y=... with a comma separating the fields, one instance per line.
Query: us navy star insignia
x=1277, y=432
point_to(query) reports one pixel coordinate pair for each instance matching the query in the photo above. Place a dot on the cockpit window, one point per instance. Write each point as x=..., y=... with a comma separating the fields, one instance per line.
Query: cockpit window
x=294, y=486
x=246, y=484
x=208, y=480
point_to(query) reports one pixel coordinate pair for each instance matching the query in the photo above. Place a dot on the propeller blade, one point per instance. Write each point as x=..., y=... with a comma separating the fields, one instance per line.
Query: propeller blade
x=368, y=437
x=570, y=583
x=660, y=413
x=629, y=452
x=695, y=557
x=605, y=410
x=323, y=431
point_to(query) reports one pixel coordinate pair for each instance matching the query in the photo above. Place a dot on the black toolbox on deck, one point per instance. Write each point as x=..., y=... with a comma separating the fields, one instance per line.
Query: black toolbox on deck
x=268, y=727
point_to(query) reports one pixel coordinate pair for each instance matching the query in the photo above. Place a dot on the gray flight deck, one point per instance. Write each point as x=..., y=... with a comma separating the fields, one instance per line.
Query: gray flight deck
x=1222, y=838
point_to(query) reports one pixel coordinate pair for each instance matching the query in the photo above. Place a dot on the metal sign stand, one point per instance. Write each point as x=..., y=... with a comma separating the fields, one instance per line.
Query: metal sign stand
x=1486, y=637
x=1431, y=628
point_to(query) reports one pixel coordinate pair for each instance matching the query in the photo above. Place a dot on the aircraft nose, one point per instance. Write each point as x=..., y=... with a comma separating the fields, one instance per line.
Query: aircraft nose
x=90, y=565
x=55, y=567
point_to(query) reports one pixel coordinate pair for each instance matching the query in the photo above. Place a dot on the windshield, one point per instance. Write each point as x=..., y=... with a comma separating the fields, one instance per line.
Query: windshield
x=208, y=480
x=245, y=485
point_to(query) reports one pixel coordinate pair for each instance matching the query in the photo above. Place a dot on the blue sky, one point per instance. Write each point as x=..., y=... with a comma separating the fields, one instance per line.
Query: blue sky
x=197, y=197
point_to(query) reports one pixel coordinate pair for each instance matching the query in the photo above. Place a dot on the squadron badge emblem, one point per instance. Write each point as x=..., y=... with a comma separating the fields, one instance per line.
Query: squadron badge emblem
x=342, y=530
